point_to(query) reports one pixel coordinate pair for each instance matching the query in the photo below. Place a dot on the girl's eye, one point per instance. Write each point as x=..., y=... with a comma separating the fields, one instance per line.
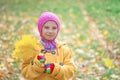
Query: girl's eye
x=46, y=27
x=54, y=28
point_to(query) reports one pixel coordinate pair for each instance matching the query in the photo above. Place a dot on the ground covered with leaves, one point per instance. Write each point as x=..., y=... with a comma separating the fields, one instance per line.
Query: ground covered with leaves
x=90, y=27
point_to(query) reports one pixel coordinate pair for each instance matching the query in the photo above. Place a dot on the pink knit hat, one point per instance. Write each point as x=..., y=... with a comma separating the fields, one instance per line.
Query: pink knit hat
x=47, y=16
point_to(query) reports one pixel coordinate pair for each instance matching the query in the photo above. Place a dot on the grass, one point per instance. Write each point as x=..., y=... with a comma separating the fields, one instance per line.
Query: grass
x=20, y=17
x=106, y=14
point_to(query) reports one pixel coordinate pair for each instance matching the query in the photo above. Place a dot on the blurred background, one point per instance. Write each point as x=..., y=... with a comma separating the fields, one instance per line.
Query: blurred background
x=90, y=27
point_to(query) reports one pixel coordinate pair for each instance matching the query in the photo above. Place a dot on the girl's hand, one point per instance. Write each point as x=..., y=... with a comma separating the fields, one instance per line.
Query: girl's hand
x=38, y=66
x=41, y=58
x=49, y=67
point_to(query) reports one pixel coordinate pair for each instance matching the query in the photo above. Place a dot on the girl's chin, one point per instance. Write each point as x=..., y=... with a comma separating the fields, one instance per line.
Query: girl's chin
x=49, y=39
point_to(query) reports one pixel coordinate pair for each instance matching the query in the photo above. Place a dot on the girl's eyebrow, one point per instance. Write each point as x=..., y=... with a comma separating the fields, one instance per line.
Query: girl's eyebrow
x=46, y=26
x=54, y=27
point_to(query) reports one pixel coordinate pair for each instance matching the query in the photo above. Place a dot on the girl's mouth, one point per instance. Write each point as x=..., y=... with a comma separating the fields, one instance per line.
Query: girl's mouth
x=50, y=35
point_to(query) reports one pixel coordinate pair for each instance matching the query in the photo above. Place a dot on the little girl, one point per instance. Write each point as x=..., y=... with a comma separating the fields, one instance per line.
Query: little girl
x=54, y=61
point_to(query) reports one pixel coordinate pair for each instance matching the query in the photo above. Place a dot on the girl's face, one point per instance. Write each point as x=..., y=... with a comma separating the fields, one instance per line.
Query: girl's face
x=49, y=30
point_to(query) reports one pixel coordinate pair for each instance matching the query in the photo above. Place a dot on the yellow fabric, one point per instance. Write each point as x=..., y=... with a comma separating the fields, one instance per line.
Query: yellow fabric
x=35, y=71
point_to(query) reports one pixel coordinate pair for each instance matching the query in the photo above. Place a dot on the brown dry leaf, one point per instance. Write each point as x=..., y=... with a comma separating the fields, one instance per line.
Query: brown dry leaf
x=9, y=68
x=117, y=61
x=3, y=27
x=2, y=74
x=98, y=58
x=86, y=70
x=21, y=32
x=2, y=57
x=5, y=45
x=118, y=58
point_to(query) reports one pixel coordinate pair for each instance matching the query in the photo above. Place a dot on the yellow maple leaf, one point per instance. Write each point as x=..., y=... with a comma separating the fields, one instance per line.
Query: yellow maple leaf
x=109, y=63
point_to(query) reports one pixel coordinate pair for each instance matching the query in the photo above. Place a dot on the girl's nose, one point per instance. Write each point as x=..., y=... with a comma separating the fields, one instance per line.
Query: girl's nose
x=50, y=30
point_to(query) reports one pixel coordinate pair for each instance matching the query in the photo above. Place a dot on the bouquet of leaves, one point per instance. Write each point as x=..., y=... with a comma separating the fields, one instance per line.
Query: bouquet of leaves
x=26, y=47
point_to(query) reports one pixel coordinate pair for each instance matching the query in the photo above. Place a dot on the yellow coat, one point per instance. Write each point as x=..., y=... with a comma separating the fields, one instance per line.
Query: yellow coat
x=32, y=70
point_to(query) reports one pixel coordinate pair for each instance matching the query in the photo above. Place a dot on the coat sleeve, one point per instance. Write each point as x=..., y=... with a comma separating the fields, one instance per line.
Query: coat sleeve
x=31, y=68
x=68, y=69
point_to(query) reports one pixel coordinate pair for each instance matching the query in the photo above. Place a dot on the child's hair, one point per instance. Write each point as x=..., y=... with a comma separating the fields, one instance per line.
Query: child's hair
x=48, y=16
